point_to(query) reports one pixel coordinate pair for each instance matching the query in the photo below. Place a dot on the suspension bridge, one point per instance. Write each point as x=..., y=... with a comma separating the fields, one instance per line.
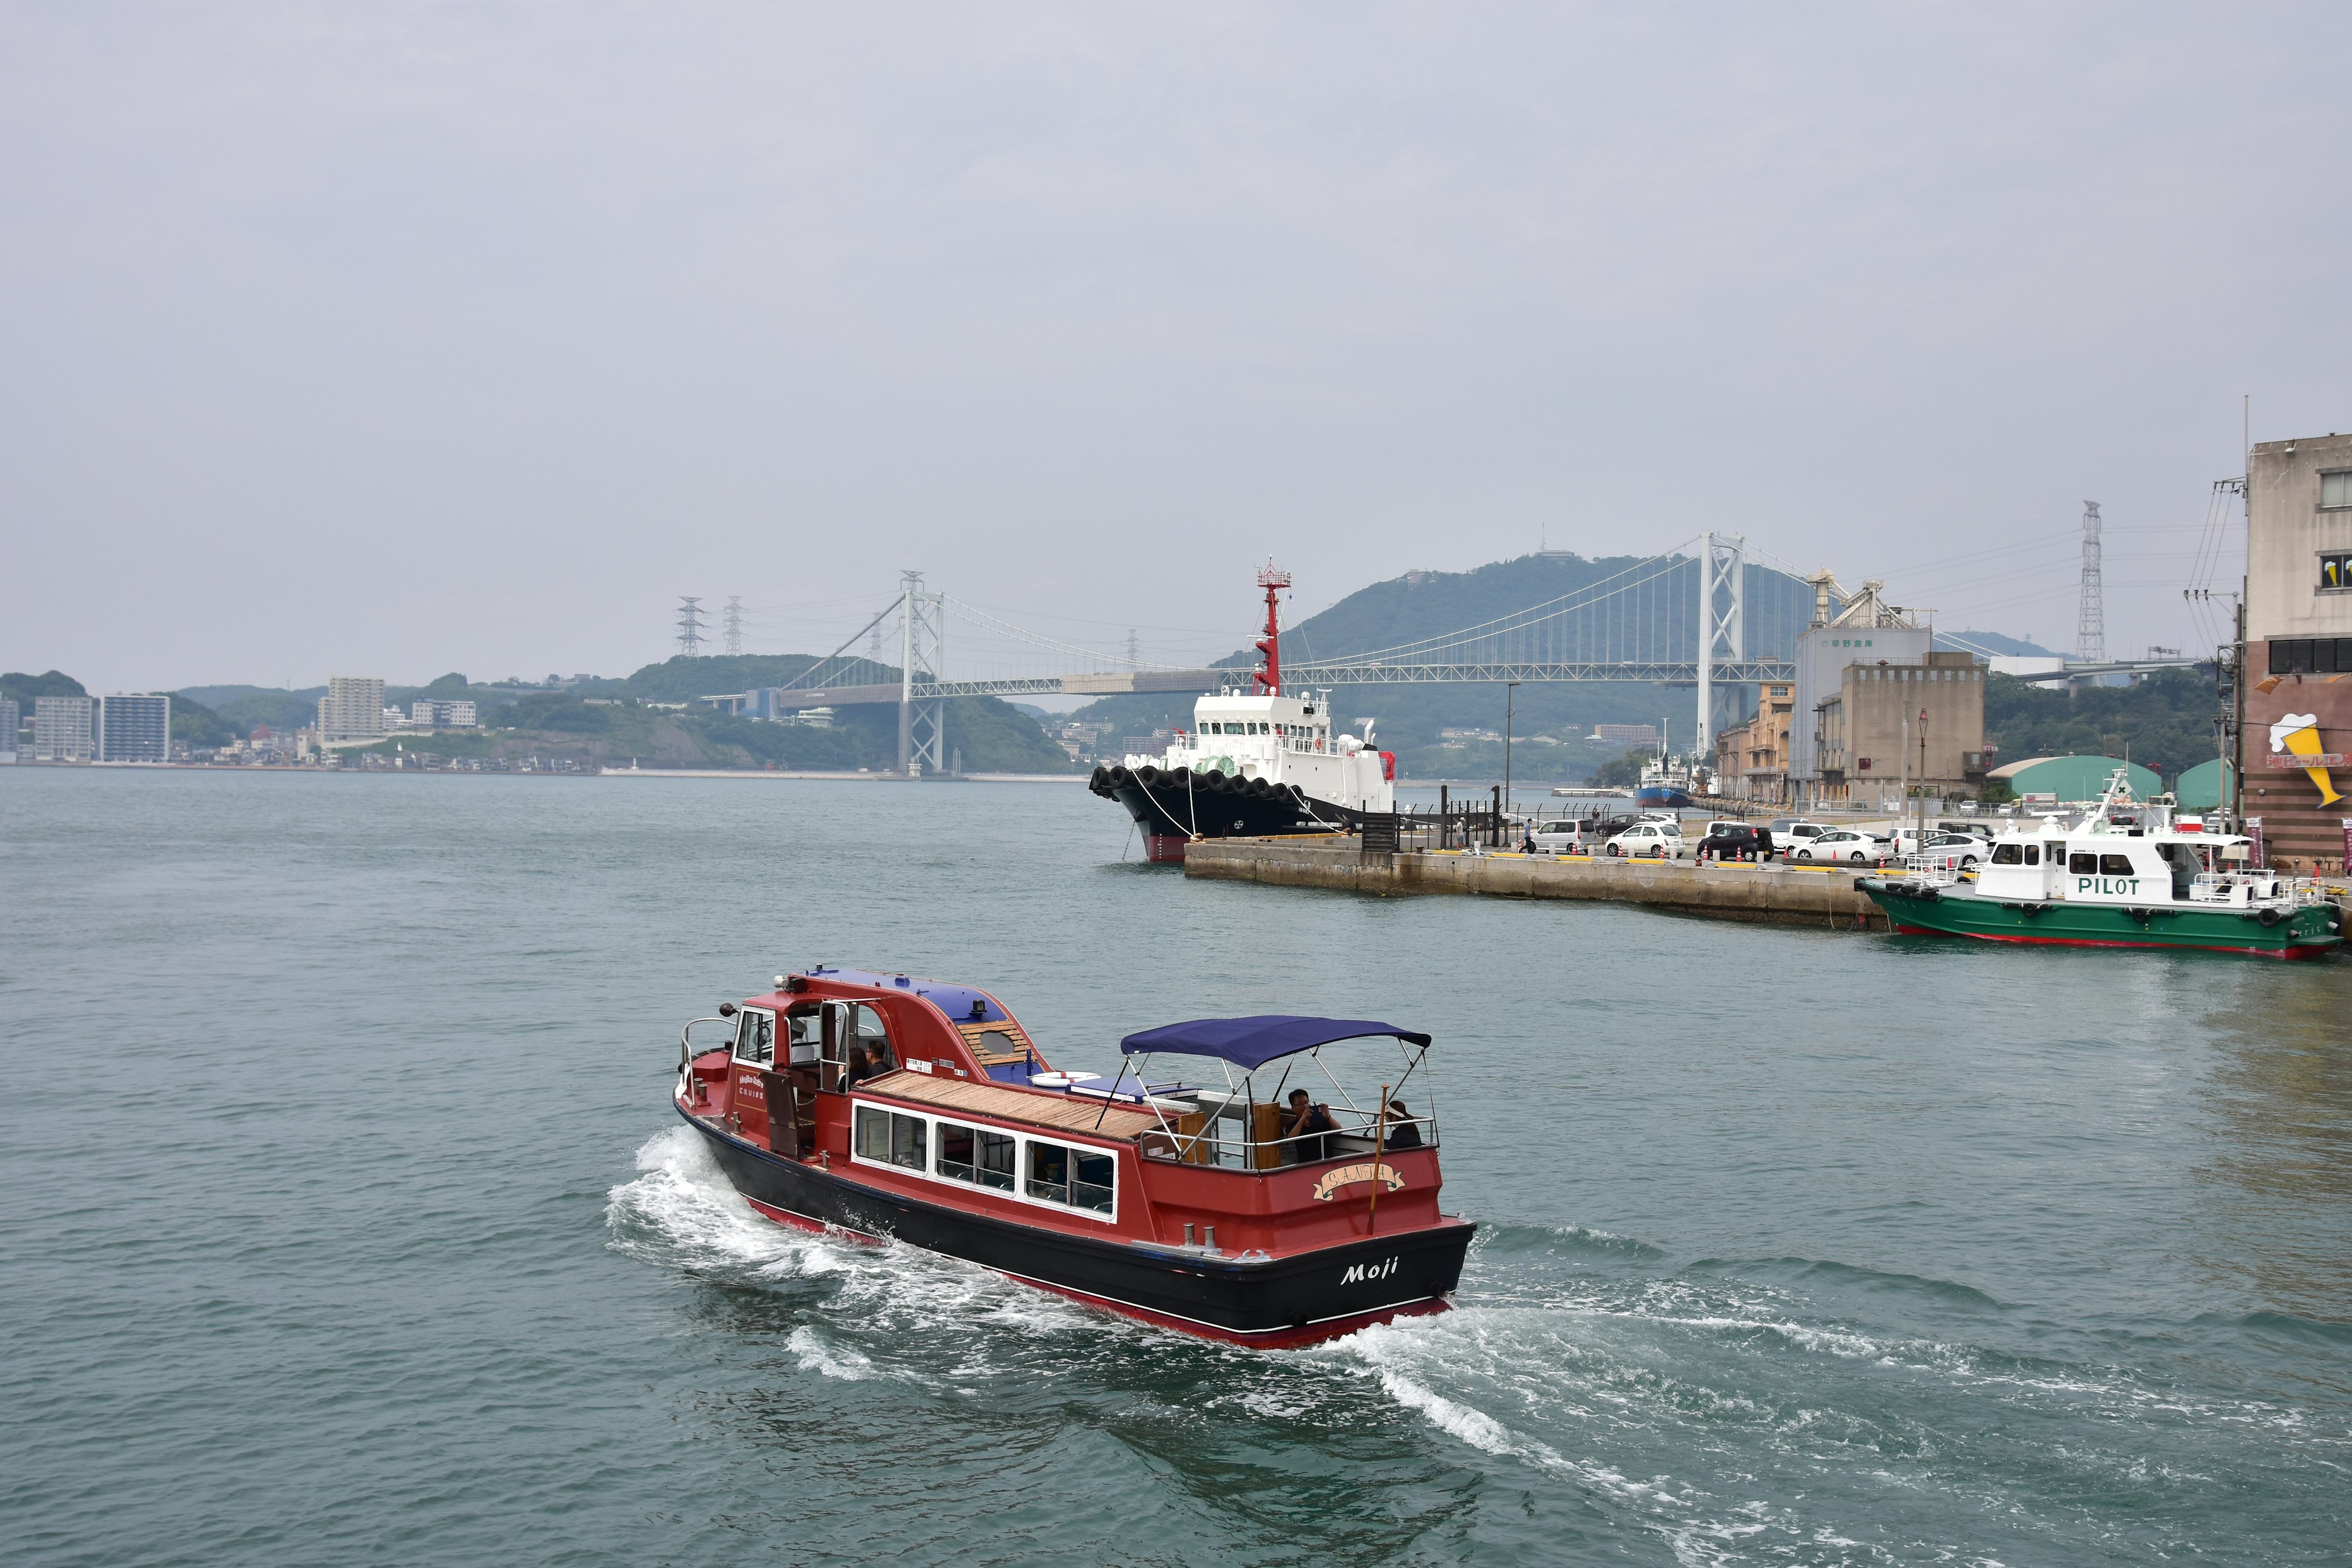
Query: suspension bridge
x=1677, y=618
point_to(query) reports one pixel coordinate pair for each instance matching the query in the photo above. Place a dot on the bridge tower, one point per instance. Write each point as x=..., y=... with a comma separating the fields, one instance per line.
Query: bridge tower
x=922, y=727
x=1722, y=626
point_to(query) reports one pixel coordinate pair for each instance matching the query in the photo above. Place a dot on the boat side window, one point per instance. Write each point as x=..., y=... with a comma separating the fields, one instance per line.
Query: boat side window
x=2083, y=864
x=1049, y=1172
x=873, y=1141
x=994, y=1166
x=2009, y=855
x=891, y=1136
x=755, y=1036
x=2032, y=855
x=907, y=1135
x=1080, y=1178
x=956, y=1150
x=2115, y=866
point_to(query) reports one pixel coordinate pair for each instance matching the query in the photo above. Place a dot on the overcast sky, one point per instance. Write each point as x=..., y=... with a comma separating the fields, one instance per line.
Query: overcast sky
x=406, y=338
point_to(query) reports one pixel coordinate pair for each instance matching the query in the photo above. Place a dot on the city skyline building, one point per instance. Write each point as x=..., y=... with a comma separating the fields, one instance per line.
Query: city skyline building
x=11, y=720
x=352, y=709
x=64, y=729
x=133, y=727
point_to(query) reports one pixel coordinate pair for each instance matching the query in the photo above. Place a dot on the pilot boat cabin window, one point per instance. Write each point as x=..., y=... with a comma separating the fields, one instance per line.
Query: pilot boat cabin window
x=2115, y=866
x=755, y=1036
x=2033, y=854
x=2083, y=864
x=2008, y=854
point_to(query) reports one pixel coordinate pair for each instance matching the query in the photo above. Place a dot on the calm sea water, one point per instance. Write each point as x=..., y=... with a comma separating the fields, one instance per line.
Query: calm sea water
x=343, y=1218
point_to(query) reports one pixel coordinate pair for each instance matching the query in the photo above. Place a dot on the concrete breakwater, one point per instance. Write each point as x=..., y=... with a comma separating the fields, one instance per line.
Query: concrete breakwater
x=1775, y=894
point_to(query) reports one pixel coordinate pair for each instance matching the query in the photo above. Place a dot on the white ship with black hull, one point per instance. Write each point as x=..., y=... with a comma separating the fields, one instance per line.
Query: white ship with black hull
x=1257, y=761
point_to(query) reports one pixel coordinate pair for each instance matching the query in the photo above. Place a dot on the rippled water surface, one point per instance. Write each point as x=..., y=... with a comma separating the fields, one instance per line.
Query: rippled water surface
x=343, y=1220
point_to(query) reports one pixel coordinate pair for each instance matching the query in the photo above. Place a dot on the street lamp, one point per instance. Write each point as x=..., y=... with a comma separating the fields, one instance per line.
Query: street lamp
x=1510, y=692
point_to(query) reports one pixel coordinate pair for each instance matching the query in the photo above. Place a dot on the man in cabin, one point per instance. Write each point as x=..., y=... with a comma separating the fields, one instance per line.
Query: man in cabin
x=1307, y=1119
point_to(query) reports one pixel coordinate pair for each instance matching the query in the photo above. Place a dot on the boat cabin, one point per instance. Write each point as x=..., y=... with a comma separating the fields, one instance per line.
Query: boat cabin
x=935, y=1094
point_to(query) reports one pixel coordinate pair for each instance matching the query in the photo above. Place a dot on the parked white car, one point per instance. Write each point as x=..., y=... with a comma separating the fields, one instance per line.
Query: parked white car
x=1788, y=832
x=1849, y=844
x=1650, y=841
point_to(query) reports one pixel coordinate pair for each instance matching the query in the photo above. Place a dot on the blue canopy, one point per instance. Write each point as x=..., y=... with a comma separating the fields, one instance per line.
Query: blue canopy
x=1251, y=1043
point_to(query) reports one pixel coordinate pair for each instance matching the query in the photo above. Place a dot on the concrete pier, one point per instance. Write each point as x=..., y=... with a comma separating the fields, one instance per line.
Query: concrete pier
x=1774, y=894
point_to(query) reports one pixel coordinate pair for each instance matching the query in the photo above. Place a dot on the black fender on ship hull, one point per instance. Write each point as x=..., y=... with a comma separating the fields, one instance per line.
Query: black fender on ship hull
x=1172, y=803
x=1305, y=1296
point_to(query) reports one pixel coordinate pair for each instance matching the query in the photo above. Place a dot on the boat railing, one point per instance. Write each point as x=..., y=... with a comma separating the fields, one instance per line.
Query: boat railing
x=685, y=1039
x=1358, y=1132
x=1935, y=870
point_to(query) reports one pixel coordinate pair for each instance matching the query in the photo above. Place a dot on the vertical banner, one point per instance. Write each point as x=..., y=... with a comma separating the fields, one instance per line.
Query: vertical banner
x=2347, y=844
x=2254, y=832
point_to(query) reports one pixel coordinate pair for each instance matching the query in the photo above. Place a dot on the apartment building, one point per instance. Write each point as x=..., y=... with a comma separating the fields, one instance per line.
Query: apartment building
x=352, y=709
x=133, y=727
x=64, y=729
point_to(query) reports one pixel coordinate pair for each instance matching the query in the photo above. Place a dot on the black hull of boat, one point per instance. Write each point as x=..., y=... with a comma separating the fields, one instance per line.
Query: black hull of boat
x=1285, y=1300
x=1215, y=807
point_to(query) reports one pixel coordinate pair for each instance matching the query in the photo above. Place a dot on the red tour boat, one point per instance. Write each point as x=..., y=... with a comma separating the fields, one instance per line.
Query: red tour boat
x=889, y=1106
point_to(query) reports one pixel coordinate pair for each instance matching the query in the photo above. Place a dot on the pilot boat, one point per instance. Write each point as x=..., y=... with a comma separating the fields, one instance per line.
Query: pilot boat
x=2126, y=875
x=1257, y=761
x=893, y=1107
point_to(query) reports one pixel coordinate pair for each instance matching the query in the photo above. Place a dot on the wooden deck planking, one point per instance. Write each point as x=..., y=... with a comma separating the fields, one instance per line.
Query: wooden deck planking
x=1034, y=1108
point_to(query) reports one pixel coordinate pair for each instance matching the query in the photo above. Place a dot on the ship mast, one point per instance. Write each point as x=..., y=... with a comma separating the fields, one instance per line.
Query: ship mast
x=1273, y=579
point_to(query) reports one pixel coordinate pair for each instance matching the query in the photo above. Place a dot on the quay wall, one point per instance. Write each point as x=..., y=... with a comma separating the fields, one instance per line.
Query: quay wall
x=1776, y=894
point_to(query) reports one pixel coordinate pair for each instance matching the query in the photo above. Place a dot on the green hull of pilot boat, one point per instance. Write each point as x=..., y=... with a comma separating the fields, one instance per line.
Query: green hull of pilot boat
x=1937, y=911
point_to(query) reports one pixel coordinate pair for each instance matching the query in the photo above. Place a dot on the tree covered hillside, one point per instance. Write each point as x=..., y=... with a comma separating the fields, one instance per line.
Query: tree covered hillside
x=2165, y=722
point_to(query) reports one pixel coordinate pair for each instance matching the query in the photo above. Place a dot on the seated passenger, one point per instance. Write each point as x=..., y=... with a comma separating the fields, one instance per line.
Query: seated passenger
x=1404, y=1132
x=878, y=1050
x=861, y=1068
x=1306, y=1119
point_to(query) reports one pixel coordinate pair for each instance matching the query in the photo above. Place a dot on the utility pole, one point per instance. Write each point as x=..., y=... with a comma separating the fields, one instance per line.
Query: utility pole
x=733, y=625
x=1133, y=658
x=689, y=626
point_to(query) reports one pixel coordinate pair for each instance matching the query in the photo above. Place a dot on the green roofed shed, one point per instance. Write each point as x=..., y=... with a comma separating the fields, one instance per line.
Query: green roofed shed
x=2204, y=787
x=2074, y=778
